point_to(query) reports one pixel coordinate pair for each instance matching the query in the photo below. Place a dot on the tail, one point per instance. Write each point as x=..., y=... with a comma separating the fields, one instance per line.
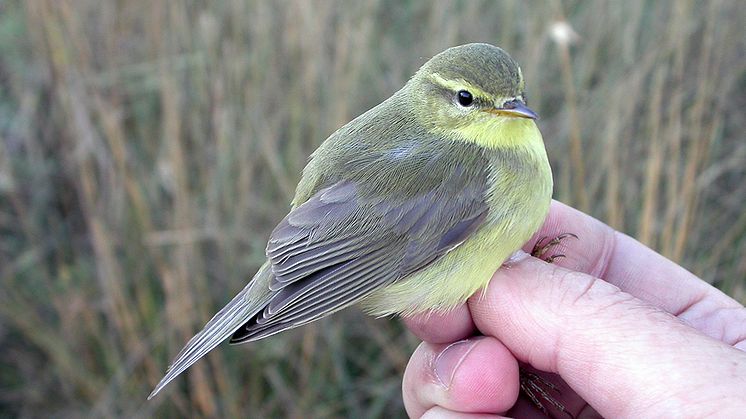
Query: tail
x=240, y=310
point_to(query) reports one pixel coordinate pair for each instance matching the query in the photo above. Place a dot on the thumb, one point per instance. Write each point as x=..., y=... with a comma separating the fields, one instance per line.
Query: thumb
x=622, y=355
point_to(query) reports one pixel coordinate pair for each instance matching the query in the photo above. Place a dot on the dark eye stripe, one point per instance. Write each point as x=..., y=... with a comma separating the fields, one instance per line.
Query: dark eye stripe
x=477, y=101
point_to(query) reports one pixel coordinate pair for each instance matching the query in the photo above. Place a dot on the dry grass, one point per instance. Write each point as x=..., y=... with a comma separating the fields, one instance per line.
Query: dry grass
x=147, y=149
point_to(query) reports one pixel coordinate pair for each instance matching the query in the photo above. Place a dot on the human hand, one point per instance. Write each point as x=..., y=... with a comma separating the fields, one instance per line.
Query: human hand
x=647, y=339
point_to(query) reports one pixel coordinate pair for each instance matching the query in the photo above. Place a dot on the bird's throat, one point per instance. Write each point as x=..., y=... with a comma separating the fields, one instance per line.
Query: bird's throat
x=502, y=132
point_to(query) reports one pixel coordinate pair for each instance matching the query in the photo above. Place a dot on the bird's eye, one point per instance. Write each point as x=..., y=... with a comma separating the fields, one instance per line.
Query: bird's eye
x=464, y=98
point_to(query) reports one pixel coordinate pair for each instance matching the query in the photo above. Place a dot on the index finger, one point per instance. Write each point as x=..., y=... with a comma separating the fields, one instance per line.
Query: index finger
x=604, y=253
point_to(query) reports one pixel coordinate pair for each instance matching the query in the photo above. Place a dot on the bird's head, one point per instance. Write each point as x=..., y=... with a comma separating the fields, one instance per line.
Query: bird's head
x=476, y=93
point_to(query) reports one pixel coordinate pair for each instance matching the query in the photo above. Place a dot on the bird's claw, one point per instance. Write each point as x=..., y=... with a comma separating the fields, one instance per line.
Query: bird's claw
x=537, y=389
x=541, y=247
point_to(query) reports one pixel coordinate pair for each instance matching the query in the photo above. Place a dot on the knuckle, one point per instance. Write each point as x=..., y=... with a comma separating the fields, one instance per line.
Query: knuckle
x=586, y=295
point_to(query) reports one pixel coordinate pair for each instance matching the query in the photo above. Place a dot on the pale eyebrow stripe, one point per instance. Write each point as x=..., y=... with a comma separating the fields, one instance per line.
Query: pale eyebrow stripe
x=461, y=84
x=522, y=82
x=456, y=85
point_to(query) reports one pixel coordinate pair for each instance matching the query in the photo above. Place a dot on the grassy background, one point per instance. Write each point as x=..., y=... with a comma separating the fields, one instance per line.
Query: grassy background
x=148, y=148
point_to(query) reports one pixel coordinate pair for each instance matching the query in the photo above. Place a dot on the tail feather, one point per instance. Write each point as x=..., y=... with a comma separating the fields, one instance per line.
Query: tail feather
x=241, y=309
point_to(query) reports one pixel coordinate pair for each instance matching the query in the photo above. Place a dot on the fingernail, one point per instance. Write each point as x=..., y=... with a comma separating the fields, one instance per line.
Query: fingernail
x=516, y=257
x=449, y=359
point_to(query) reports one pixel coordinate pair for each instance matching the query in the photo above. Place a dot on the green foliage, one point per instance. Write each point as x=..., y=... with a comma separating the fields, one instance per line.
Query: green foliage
x=148, y=148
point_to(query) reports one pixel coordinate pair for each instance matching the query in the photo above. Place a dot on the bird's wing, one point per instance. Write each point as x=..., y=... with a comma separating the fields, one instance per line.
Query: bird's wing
x=347, y=240
x=390, y=212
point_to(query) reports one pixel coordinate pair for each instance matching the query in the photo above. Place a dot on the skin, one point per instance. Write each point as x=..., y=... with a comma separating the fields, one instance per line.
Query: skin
x=409, y=208
x=627, y=332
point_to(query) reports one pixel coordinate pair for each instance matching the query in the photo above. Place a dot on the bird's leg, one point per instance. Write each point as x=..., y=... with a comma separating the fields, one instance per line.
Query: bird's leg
x=537, y=390
x=543, y=245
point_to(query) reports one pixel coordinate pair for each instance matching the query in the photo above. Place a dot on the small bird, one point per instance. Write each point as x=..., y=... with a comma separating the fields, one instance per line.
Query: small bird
x=409, y=208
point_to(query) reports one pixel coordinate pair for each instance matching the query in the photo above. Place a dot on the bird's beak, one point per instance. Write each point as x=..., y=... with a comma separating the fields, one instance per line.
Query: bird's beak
x=514, y=108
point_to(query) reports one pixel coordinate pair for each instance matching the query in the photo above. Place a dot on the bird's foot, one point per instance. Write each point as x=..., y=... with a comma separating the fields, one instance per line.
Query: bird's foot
x=543, y=245
x=535, y=388
x=538, y=391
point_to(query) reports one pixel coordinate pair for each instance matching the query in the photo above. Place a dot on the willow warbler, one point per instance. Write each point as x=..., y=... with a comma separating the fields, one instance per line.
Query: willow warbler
x=408, y=208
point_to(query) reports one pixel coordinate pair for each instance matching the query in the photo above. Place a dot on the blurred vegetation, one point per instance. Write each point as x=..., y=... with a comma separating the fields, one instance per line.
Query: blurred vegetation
x=148, y=148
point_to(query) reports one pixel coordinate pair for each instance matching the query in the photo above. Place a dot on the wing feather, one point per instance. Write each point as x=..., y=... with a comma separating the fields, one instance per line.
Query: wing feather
x=314, y=276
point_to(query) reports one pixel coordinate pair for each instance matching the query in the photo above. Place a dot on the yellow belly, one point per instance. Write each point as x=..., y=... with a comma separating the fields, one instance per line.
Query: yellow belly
x=460, y=273
x=452, y=279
